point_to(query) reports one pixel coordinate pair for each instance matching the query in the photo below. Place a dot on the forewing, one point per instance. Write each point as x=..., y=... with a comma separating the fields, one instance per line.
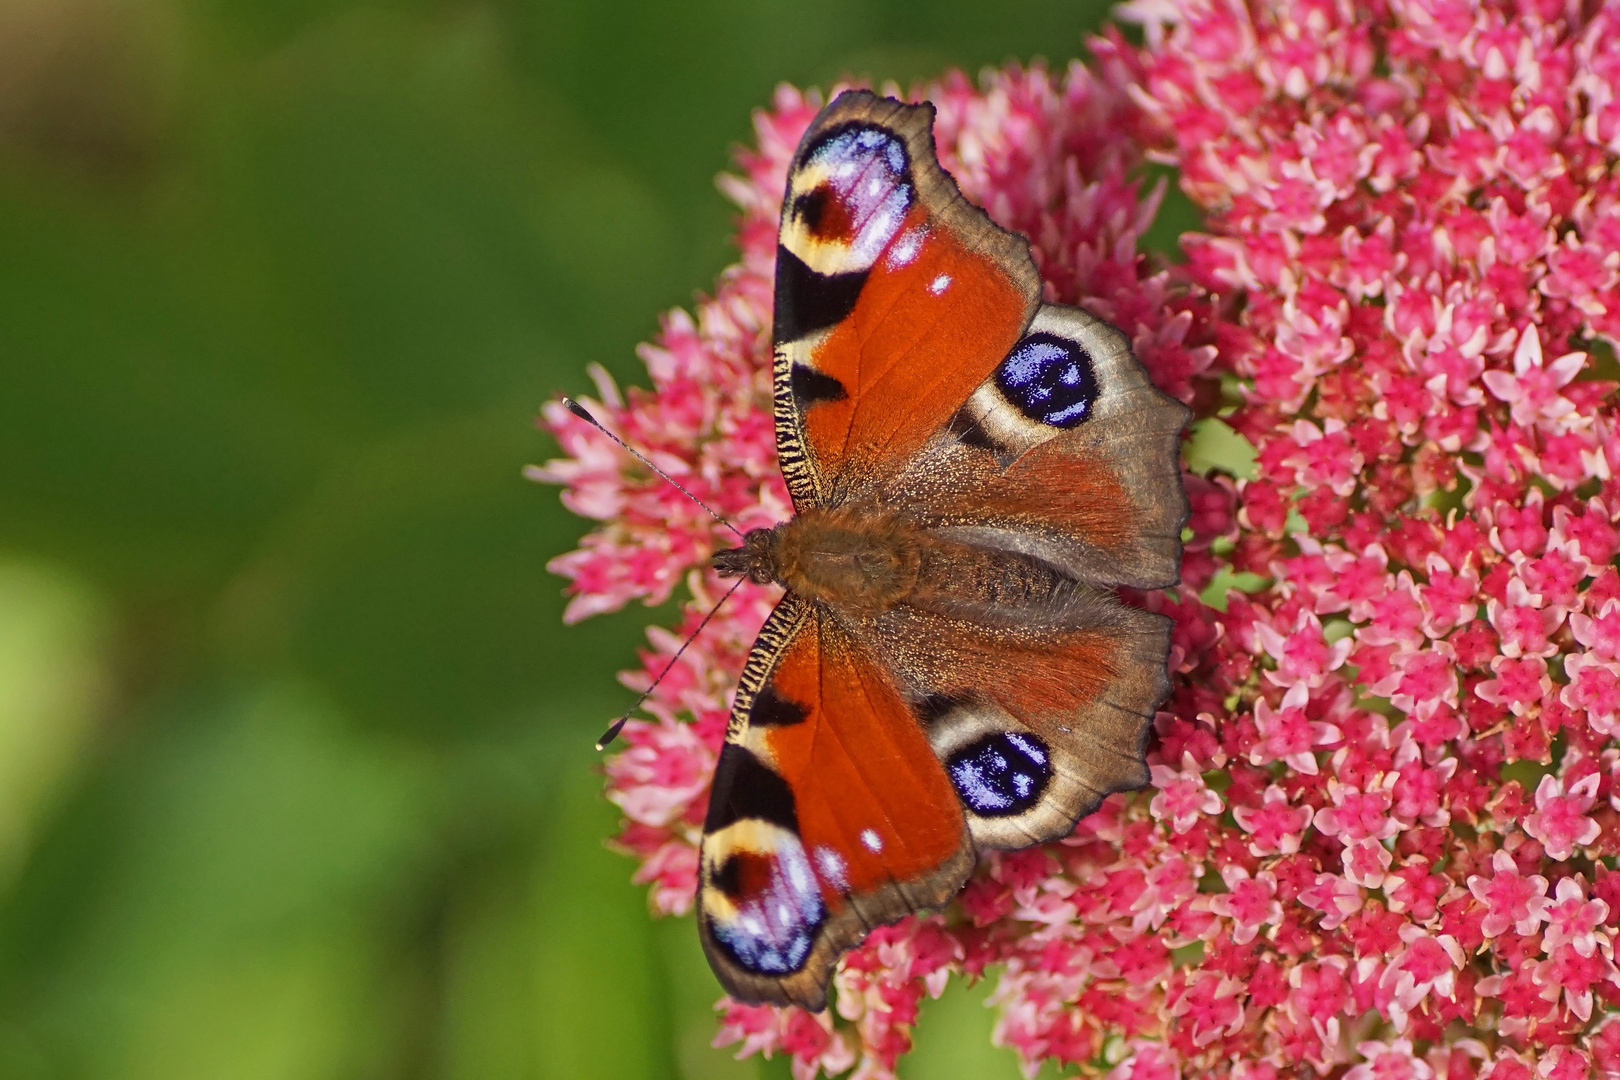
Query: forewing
x=895, y=298
x=1067, y=452
x=829, y=814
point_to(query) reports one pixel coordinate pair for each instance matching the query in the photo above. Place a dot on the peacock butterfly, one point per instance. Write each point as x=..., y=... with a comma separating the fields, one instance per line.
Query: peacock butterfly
x=972, y=471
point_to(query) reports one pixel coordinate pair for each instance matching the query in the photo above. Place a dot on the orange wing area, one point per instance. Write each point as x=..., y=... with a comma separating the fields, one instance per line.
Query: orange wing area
x=1049, y=489
x=922, y=337
x=895, y=298
x=830, y=815
x=865, y=782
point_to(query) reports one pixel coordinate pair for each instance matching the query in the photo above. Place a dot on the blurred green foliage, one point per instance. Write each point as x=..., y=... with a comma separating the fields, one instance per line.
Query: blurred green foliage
x=295, y=766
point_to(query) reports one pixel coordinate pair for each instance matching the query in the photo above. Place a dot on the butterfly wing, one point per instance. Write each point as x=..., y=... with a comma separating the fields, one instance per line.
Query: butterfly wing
x=829, y=814
x=895, y=298
x=915, y=364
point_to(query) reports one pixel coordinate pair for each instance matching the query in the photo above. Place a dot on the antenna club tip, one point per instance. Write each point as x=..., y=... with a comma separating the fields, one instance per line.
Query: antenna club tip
x=578, y=410
x=611, y=733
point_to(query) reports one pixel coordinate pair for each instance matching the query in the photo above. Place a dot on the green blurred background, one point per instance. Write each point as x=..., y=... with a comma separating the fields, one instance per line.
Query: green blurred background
x=295, y=765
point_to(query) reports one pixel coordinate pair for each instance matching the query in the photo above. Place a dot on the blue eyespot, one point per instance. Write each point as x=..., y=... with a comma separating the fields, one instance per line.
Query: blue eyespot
x=1050, y=380
x=1001, y=774
x=863, y=194
x=857, y=146
x=776, y=908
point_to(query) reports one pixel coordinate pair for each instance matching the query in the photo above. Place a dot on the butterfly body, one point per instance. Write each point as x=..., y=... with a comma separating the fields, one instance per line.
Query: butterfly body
x=859, y=563
x=973, y=473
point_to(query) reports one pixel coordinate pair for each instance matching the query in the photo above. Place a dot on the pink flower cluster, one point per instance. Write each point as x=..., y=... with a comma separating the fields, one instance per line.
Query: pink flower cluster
x=1382, y=831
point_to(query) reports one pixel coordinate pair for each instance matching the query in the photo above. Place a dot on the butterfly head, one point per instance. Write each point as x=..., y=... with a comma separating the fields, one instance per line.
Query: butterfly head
x=860, y=560
x=757, y=559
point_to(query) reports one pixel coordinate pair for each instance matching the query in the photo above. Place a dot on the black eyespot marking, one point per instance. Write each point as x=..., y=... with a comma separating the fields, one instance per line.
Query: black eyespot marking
x=823, y=214
x=731, y=877
x=807, y=301
x=1001, y=774
x=967, y=431
x=934, y=708
x=744, y=787
x=811, y=386
x=1050, y=380
x=770, y=709
x=810, y=207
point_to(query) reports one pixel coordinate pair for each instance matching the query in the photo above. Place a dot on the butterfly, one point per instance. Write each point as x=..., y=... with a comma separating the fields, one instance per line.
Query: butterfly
x=973, y=471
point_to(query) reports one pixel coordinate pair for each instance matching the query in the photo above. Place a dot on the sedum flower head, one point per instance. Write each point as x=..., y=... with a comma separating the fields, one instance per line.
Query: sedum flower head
x=1382, y=830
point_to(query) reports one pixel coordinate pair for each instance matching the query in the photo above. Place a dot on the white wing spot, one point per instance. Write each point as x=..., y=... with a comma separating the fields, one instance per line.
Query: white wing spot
x=832, y=868
x=872, y=841
x=905, y=248
x=937, y=286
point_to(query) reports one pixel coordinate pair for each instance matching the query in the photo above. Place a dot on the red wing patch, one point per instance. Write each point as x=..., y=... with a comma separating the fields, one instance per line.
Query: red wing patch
x=869, y=794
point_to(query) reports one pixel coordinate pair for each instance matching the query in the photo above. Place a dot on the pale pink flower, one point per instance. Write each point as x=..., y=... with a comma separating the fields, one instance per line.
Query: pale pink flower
x=1533, y=389
x=1274, y=827
x=1600, y=634
x=1511, y=899
x=1560, y=821
x=1249, y=901
x=1429, y=964
x=1520, y=682
x=1287, y=734
x=1303, y=653
x=1183, y=796
x=1389, y=1061
x=1337, y=897
x=1212, y=1005
x=1150, y=1061
x=1357, y=814
x=672, y=871
x=1574, y=920
x=665, y=767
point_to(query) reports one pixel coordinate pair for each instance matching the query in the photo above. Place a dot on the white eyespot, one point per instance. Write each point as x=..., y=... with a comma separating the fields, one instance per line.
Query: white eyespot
x=878, y=226
x=937, y=286
x=832, y=868
x=871, y=840
x=906, y=247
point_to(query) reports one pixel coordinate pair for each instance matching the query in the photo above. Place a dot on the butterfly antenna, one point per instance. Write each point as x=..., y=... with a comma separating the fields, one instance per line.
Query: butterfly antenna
x=579, y=410
x=618, y=725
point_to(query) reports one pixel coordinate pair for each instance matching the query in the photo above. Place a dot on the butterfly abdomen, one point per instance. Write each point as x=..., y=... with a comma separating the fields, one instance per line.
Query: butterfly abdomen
x=864, y=561
x=959, y=578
